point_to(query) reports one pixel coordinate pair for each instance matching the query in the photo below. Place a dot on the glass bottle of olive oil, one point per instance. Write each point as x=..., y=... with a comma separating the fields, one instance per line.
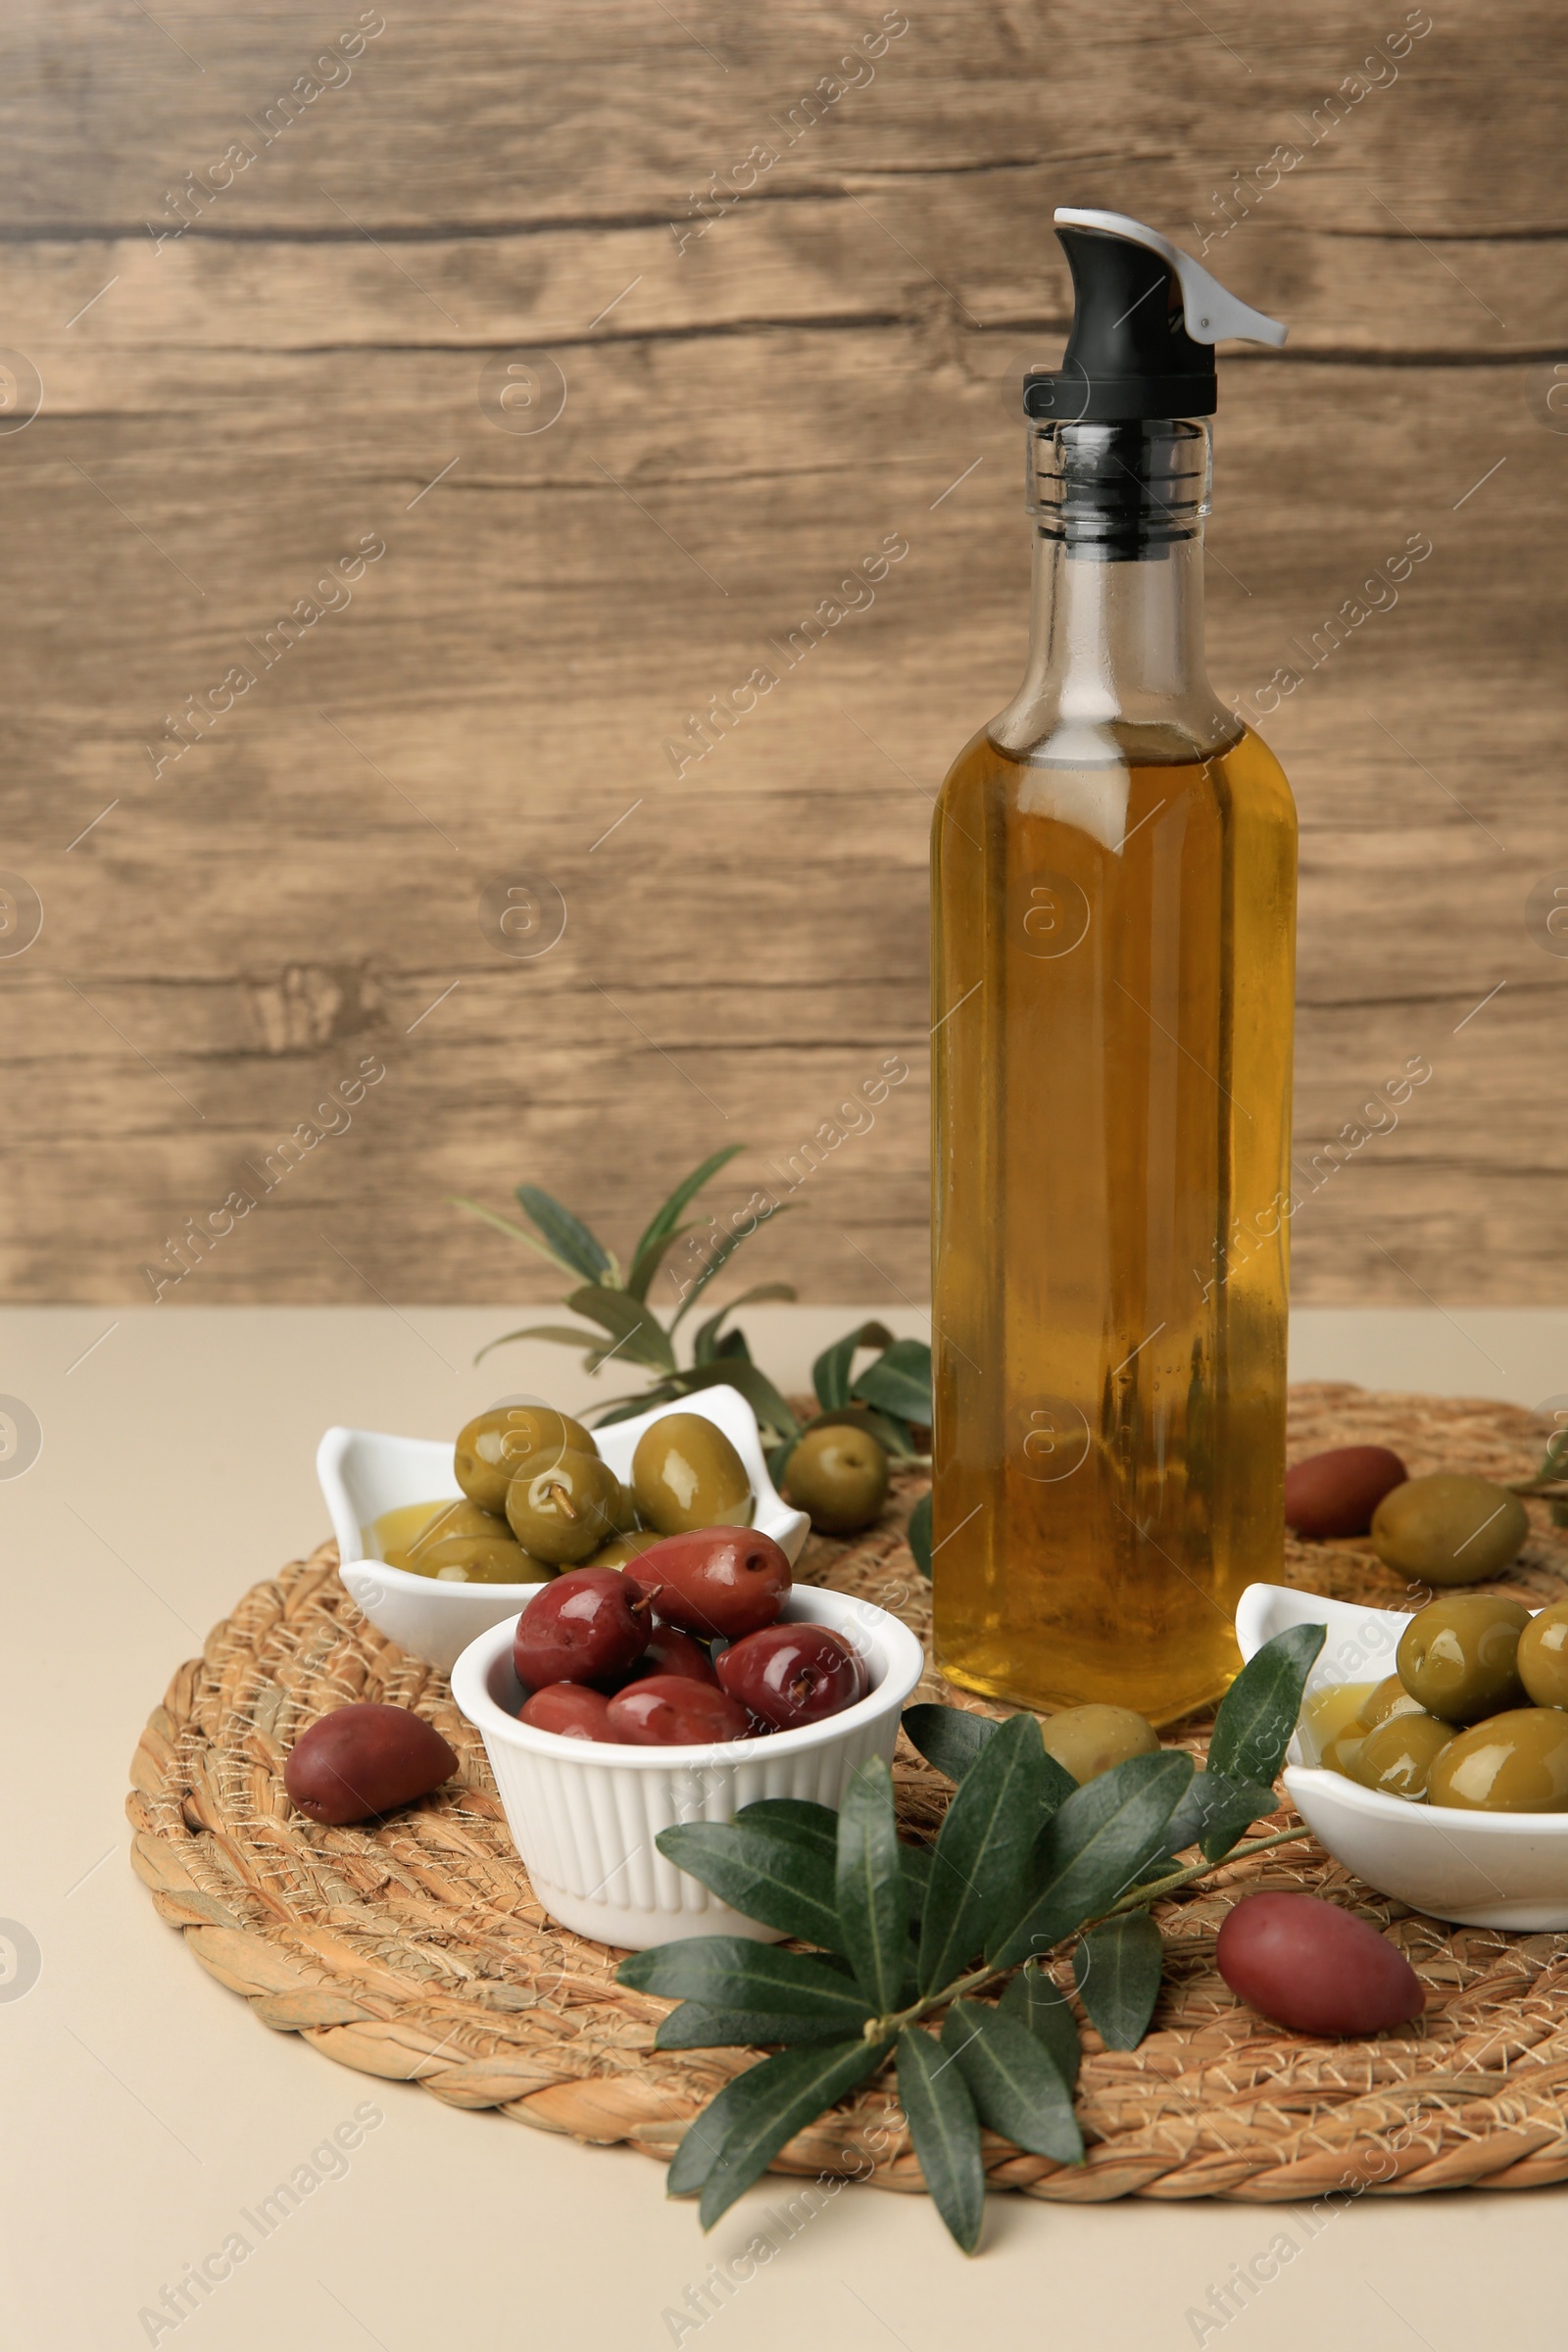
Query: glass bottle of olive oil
x=1113, y=895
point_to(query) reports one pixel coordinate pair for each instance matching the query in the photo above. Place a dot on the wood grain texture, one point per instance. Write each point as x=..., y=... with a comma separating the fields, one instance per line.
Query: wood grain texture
x=833, y=361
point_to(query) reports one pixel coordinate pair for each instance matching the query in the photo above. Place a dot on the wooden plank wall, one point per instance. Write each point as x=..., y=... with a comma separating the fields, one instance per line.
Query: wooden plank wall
x=758, y=396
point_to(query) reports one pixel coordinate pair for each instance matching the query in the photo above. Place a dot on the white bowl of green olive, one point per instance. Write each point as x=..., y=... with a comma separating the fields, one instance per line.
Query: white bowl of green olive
x=402, y=1497
x=1457, y=1860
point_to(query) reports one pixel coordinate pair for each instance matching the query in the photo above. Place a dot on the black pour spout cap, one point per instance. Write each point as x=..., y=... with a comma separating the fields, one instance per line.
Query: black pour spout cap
x=1146, y=320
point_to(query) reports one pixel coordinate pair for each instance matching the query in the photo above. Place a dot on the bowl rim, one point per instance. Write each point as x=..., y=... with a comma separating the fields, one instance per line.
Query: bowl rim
x=1440, y=1821
x=471, y=1676
x=337, y=1441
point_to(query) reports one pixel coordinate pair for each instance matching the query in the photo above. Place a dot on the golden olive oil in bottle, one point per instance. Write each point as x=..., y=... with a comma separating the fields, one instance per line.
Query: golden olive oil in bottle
x=1113, y=896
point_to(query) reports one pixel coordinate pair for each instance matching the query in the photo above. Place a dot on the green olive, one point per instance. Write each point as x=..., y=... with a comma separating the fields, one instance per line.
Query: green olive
x=620, y=1551
x=623, y=1511
x=463, y=1545
x=1543, y=1656
x=1391, y=1697
x=493, y=1446
x=685, y=1473
x=839, y=1476
x=1089, y=1740
x=1513, y=1763
x=1398, y=1755
x=1459, y=1656
x=1343, y=1752
x=1448, y=1528
x=562, y=1505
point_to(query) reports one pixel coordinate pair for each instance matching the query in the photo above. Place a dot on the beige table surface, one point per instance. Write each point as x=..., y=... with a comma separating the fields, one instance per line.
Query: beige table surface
x=144, y=2107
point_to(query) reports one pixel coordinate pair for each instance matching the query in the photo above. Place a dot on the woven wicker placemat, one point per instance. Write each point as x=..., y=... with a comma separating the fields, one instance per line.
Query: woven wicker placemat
x=415, y=1949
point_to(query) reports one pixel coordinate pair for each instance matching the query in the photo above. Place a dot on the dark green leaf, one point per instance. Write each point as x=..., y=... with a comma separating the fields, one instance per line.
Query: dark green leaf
x=706, y=1342
x=626, y=1409
x=697, y=2026
x=754, y=1384
x=1034, y=2001
x=783, y=2095
x=1214, y=1811
x=638, y=1334
x=718, y=1258
x=900, y=1381
x=797, y=1817
x=767, y=1874
x=946, y=2132
x=570, y=1241
x=514, y=1233
x=919, y=1534
x=830, y=1374
x=1117, y=1969
x=649, y=1253
x=1093, y=1850
x=915, y=1861
x=890, y=1433
x=1012, y=2081
x=873, y=1907
x=560, y=1332
x=949, y=1738
x=1257, y=1713
x=982, y=1848
x=731, y=1972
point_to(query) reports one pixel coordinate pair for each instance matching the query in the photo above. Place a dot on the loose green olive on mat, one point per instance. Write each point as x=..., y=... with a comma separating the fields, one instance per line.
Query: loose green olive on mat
x=1543, y=1656
x=462, y=1544
x=363, y=1759
x=1398, y=1755
x=1513, y=1763
x=1089, y=1740
x=839, y=1476
x=562, y=1506
x=494, y=1446
x=1391, y=1697
x=685, y=1473
x=1448, y=1528
x=1459, y=1656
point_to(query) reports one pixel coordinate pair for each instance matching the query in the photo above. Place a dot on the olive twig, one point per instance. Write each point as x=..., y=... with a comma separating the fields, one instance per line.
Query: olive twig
x=563, y=1497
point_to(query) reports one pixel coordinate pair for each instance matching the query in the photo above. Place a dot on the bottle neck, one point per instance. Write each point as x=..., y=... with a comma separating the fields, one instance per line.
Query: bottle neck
x=1116, y=637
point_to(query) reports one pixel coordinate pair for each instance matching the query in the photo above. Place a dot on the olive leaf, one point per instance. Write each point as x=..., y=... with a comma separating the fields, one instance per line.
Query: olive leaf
x=1034, y=2002
x=830, y=1374
x=706, y=1342
x=1213, y=1812
x=663, y=1226
x=718, y=1259
x=949, y=1738
x=900, y=1381
x=1117, y=1970
x=797, y=1817
x=787, y=2092
x=732, y=1972
x=1013, y=2080
x=985, y=1841
x=570, y=1241
x=754, y=1384
x=872, y=1895
x=946, y=2132
x=634, y=1328
x=1258, y=1713
x=1092, y=1850
x=699, y=2026
x=764, y=1873
x=917, y=1534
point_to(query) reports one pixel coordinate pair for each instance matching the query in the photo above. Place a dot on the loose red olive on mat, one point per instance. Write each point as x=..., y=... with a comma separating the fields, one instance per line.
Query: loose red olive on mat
x=717, y=1581
x=1335, y=1494
x=671, y=1652
x=788, y=1675
x=1310, y=1966
x=364, y=1759
x=669, y=1710
x=571, y=1710
x=588, y=1627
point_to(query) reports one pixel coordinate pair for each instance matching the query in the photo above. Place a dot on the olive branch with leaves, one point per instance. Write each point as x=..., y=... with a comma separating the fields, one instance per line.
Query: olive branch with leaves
x=1027, y=1865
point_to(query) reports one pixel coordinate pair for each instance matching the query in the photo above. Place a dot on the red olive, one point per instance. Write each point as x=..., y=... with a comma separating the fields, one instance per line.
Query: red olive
x=717, y=1581
x=363, y=1759
x=587, y=1627
x=669, y=1710
x=1335, y=1494
x=793, y=1674
x=671, y=1652
x=1315, y=1968
x=569, y=1710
